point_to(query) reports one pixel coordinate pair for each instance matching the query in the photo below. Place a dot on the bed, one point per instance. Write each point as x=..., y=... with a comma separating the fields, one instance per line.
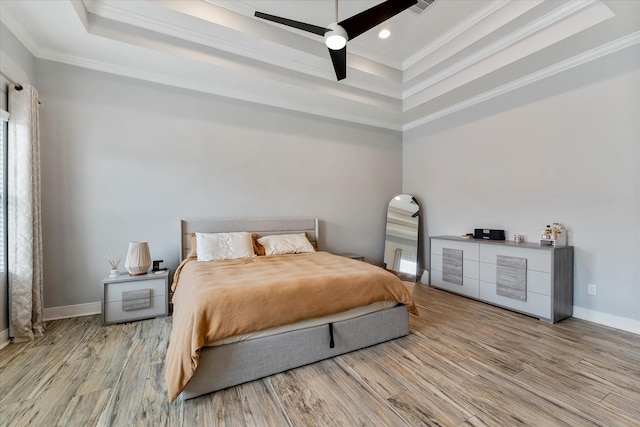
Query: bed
x=216, y=364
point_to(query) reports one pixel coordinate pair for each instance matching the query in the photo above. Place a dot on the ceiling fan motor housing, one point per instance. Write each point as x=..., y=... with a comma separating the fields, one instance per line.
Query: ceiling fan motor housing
x=336, y=38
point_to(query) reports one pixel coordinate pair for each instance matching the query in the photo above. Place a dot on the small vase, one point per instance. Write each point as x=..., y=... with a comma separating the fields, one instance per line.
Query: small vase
x=114, y=272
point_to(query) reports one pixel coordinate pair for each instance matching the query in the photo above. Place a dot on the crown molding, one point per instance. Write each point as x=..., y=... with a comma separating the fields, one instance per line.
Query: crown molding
x=447, y=37
x=575, y=61
x=483, y=30
x=360, y=101
x=547, y=20
x=13, y=24
x=269, y=98
x=229, y=45
x=279, y=56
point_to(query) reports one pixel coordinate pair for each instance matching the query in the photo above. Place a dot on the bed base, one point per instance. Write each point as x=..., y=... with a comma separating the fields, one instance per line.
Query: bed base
x=232, y=364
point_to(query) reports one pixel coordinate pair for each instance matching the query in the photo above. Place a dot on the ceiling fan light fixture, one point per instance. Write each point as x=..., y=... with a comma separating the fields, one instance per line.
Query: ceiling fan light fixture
x=336, y=38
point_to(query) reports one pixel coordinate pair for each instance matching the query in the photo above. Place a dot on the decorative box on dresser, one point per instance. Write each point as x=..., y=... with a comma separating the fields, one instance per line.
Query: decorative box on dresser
x=523, y=277
x=126, y=298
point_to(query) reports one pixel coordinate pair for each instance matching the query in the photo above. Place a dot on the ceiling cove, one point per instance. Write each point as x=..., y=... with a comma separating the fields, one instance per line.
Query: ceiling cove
x=453, y=55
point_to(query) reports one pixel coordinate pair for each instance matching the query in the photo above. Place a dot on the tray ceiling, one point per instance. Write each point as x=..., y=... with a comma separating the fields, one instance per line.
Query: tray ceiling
x=454, y=54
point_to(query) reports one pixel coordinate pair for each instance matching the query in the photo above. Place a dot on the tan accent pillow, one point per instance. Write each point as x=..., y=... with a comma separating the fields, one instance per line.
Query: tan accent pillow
x=257, y=247
x=281, y=244
x=193, y=246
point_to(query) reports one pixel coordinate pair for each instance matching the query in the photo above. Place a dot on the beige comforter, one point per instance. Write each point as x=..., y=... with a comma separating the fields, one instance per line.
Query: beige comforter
x=218, y=299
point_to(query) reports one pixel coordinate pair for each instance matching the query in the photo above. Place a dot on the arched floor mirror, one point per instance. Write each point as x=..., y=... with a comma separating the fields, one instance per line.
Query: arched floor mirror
x=401, y=242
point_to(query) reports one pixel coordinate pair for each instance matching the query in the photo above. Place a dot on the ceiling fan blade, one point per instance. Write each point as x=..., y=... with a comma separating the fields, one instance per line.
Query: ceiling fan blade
x=339, y=59
x=291, y=23
x=368, y=19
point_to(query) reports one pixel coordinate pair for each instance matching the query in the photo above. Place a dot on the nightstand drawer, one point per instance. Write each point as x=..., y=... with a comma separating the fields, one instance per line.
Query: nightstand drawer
x=113, y=291
x=114, y=312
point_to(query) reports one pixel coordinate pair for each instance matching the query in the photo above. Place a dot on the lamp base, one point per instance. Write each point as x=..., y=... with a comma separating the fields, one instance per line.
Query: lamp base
x=138, y=258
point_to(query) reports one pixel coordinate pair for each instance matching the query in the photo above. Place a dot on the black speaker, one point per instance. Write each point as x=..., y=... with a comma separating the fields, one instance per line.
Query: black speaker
x=486, y=234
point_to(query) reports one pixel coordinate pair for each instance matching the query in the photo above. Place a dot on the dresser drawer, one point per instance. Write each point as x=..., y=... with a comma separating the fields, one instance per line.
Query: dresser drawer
x=537, y=281
x=468, y=288
x=536, y=304
x=469, y=268
x=470, y=250
x=537, y=259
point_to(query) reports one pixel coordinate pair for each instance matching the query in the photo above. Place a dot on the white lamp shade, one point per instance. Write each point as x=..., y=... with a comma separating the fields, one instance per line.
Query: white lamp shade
x=138, y=258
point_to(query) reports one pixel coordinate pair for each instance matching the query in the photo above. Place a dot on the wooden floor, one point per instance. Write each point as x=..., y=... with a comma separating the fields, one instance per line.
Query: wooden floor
x=464, y=364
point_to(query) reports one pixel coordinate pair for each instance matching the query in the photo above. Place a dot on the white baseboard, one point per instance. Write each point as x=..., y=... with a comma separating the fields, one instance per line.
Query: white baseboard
x=64, y=312
x=77, y=310
x=618, y=322
x=4, y=338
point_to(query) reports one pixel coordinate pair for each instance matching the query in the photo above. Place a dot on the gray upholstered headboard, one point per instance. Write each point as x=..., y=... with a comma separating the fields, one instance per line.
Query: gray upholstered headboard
x=261, y=226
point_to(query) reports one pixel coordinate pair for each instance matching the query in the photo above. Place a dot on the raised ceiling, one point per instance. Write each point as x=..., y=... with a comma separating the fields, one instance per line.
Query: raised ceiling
x=454, y=54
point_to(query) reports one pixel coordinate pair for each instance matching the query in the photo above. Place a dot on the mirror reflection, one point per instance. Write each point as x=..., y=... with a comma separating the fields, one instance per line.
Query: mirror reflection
x=401, y=242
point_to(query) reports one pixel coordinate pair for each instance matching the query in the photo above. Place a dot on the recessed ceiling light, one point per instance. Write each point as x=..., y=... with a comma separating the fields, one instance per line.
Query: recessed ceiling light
x=383, y=34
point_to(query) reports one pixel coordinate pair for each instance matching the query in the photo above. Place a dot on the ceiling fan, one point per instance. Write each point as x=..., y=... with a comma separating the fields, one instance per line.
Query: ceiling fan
x=336, y=34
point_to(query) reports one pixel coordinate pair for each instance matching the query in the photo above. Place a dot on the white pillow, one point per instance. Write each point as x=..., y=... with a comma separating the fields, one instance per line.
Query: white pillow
x=215, y=246
x=280, y=244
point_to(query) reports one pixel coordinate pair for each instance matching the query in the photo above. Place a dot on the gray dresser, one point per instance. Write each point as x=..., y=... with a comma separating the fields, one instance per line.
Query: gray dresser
x=523, y=277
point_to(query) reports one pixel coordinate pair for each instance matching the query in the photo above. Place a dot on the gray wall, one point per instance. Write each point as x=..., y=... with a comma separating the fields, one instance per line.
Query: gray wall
x=564, y=150
x=18, y=64
x=125, y=160
x=15, y=61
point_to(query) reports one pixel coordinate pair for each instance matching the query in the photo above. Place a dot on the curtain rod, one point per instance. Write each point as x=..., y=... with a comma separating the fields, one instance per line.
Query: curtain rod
x=18, y=86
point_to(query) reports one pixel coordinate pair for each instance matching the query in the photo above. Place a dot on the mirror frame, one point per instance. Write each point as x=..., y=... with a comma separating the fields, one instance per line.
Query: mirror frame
x=405, y=237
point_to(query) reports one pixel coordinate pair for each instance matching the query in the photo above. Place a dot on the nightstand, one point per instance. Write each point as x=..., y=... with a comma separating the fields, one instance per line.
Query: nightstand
x=352, y=256
x=127, y=298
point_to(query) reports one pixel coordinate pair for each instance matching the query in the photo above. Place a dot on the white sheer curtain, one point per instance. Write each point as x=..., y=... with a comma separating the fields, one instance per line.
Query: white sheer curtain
x=23, y=216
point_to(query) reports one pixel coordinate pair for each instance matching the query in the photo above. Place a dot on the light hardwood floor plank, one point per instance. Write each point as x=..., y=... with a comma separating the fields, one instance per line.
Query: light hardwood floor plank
x=84, y=409
x=536, y=399
x=464, y=363
x=629, y=407
x=261, y=406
